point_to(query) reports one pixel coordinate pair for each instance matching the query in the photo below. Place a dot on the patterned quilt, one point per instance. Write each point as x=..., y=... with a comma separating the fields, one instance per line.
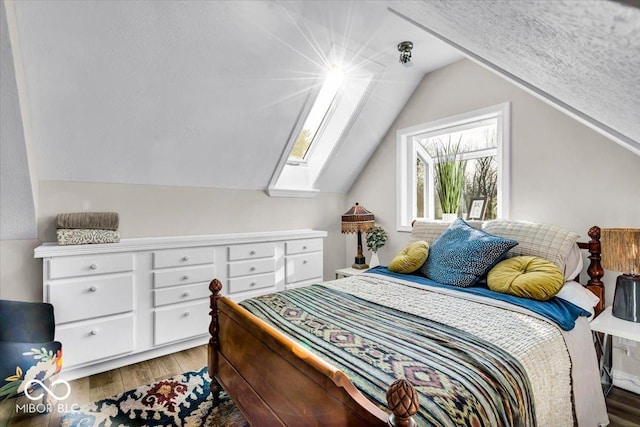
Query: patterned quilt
x=462, y=379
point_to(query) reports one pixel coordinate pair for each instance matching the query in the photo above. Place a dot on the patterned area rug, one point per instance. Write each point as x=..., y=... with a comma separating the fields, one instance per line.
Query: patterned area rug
x=183, y=401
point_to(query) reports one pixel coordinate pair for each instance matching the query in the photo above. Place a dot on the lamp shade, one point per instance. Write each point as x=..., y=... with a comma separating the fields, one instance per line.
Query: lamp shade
x=621, y=250
x=357, y=219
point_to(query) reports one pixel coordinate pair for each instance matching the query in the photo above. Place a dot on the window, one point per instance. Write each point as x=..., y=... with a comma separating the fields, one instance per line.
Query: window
x=482, y=141
x=319, y=112
x=319, y=133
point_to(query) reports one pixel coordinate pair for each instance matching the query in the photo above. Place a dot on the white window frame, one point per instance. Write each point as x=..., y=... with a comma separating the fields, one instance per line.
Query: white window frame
x=408, y=147
x=298, y=178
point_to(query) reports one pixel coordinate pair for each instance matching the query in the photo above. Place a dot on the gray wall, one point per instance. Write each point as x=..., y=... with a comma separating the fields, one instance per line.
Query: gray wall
x=153, y=210
x=561, y=171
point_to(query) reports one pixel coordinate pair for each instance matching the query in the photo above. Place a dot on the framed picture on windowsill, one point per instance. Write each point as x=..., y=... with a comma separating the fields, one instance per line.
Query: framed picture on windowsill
x=477, y=208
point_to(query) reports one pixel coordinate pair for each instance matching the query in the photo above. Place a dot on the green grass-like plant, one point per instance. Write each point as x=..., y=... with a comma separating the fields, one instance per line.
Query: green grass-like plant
x=449, y=175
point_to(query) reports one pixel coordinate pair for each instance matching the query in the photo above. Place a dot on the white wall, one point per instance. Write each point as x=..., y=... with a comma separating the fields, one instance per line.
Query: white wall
x=562, y=172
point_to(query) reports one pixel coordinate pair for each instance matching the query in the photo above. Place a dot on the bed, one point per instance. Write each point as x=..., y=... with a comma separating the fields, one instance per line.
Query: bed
x=385, y=348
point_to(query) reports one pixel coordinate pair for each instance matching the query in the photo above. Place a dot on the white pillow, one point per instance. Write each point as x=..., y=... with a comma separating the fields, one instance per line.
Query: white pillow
x=574, y=263
x=577, y=294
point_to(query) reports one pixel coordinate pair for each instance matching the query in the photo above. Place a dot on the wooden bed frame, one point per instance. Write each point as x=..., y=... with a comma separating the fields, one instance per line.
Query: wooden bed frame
x=275, y=381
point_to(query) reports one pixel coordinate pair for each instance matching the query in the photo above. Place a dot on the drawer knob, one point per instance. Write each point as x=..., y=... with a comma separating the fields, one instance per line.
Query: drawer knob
x=93, y=266
x=252, y=253
x=185, y=277
x=252, y=284
x=187, y=314
x=185, y=258
x=186, y=294
x=304, y=261
x=252, y=268
x=93, y=289
x=94, y=332
x=304, y=248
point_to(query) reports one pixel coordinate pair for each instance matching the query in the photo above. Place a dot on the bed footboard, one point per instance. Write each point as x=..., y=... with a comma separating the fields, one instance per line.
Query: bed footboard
x=275, y=381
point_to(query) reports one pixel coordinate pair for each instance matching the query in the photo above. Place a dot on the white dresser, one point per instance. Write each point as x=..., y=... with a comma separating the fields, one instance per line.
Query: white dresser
x=121, y=303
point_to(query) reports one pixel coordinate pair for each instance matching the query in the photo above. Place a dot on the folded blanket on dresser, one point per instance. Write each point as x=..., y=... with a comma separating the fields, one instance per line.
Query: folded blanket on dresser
x=83, y=236
x=88, y=220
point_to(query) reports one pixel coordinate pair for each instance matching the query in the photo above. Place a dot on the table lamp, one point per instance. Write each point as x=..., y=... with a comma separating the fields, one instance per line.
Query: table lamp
x=621, y=252
x=358, y=220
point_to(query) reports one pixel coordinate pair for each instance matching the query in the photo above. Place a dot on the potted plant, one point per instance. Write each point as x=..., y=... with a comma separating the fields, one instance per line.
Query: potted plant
x=376, y=238
x=449, y=178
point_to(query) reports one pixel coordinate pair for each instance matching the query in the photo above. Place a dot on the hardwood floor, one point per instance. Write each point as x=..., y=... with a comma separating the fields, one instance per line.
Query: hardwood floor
x=623, y=406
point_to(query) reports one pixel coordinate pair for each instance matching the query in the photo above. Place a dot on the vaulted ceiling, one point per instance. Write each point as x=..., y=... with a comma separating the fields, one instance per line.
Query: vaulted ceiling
x=202, y=93
x=207, y=93
x=582, y=56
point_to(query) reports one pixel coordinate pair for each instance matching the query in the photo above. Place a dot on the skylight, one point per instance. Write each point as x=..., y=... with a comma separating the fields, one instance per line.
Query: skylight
x=322, y=129
x=317, y=115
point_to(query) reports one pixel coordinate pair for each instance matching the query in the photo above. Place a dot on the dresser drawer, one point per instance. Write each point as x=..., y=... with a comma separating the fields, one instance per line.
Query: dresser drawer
x=258, y=266
x=178, y=323
x=303, y=246
x=89, y=265
x=304, y=267
x=183, y=257
x=250, y=283
x=180, y=294
x=183, y=276
x=91, y=297
x=91, y=341
x=252, y=250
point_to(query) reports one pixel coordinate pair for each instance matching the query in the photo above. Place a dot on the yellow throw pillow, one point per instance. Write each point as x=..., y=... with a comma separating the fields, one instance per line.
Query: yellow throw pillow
x=410, y=258
x=526, y=276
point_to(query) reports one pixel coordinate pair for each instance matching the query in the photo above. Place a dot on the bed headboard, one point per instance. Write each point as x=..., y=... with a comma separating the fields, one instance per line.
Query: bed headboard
x=431, y=230
x=595, y=270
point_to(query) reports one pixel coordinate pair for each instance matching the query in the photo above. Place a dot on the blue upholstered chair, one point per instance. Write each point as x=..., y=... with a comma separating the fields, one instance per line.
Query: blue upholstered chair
x=27, y=347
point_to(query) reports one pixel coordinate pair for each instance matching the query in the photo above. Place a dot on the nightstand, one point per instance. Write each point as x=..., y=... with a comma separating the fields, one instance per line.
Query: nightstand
x=349, y=271
x=610, y=326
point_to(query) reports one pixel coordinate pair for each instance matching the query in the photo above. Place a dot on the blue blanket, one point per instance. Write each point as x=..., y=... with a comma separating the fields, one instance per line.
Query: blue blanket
x=559, y=311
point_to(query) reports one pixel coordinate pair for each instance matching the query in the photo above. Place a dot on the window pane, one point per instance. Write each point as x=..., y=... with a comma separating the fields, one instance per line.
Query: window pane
x=317, y=115
x=481, y=172
x=420, y=188
x=481, y=180
x=473, y=139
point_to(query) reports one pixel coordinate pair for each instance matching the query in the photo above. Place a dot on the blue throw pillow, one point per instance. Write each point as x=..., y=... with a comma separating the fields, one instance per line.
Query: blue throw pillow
x=462, y=255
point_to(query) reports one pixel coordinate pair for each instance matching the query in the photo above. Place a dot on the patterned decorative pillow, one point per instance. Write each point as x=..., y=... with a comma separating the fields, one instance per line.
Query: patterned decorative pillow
x=429, y=231
x=527, y=277
x=462, y=255
x=411, y=258
x=542, y=240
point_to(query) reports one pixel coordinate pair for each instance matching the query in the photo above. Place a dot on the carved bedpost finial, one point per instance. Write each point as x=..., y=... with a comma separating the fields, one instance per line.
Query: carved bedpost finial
x=594, y=232
x=402, y=400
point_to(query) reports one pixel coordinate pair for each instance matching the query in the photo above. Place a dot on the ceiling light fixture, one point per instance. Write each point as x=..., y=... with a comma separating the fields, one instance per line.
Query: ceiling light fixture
x=405, y=53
